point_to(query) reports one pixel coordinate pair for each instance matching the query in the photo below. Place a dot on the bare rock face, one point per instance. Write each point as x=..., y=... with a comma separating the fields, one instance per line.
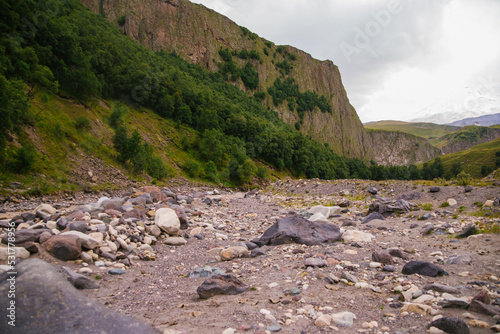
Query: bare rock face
x=221, y=285
x=47, y=303
x=295, y=229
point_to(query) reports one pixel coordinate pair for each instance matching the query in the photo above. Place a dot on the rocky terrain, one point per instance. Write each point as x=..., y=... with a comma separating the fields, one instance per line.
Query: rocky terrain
x=296, y=257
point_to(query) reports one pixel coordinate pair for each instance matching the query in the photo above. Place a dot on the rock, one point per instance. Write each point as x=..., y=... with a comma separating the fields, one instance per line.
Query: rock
x=459, y=259
x=79, y=226
x=387, y=207
x=468, y=189
x=373, y=216
x=417, y=308
x=480, y=307
x=348, y=276
x=221, y=285
x=434, y=189
x=62, y=223
x=382, y=257
x=441, y=288
x=467, y=231
x=46, y=208
x=175, y=241
x=79, y=281
x=117, y=271
x=45, y=297
x=323, y=320
x=295, y=229
x=372, y=191
x=483, y=296
x=422, y=268
x=16, y=252
x=395, y=252
x=357, y=236
x=319, y=218
x=479, y=324
x=22, y=236
x=314, y=262
x=452, y=202
x=257, y=252
x=206, y=271
x=64, y=247
x=450, y=325
x=154, y=230
x=234, y=252
x=86, y=240
x=166, y=219
x=489, y=203
x=452, y=301
x=343, y=319
x=326, y=211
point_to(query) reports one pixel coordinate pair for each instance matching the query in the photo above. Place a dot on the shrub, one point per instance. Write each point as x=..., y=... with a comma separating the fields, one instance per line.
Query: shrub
x=156, y=167
x=262, y=173
x=486, y=170
x=23, y=160
x=192, y=168
x=427, y=207
x=121, y=20
x=463, y=179
x=185, y=143
x=211, y=172
x=82, y=123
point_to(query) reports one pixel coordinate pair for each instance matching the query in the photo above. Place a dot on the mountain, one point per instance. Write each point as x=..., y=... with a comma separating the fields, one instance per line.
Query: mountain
x=466, y=138
x=486, y=120
x=421, y=129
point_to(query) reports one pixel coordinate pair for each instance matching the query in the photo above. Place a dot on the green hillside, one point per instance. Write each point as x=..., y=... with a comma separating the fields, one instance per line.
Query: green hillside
x=472, y=160
x=425, y=130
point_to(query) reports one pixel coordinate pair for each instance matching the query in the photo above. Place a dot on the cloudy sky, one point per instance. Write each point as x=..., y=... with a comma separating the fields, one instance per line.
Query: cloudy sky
x=399, y=60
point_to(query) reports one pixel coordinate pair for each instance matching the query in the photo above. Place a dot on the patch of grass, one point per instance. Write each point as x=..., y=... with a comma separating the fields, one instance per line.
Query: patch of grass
x=461, y=208
x=426, y=207
x=488, y=227
x=444, y=205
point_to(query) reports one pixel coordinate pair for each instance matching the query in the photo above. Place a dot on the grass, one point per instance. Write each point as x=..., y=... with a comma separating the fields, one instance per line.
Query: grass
x=425, y=130
x=427, y=207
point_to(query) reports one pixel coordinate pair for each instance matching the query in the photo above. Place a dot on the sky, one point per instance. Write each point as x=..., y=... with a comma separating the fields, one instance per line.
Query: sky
x=399, y=59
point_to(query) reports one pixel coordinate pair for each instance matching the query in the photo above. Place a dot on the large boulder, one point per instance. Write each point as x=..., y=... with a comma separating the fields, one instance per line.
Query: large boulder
x=295, y=229
x=86, y=240
x=387, y=207
x=46, y=302
x=64, y=247
x=422, y=268
x=221, y=285
x=166, y=219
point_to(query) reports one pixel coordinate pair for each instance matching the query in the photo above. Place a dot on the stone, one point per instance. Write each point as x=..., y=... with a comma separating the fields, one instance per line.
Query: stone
x=422, y=268
x=489, y=203
x=295, y=229
x=257, y=252
x=22, y=236
x=46, y=208
x=86, y=240
x=343, y=319
x=79, y=281
x=64, y=247
x=348, y=276
x=314, y=262
x=483, y=296
x=386, y=207
x=16, y=252
x=206, y=271
x=154, y=230
x=357, y=236
x=42, y=291
x=135, y=214
x=480, y=307
x=452, y=202
x=166, y=219
x=382, y=257
x=234, y=252
x=452, y=301
x=395, y=252
x=459, y=259
x=323, y=320
x=175, y=241
x=441, y=288
x=373, y=216
x=79, y=226
x=450, y=325
x=417, y=308
x=468, y=189
x=221, y=285
x=319, y=218
x=326, y=211
x=434, y=189
x=479, y=324
x=116, y=271
x=467, y=231
x=372, y=190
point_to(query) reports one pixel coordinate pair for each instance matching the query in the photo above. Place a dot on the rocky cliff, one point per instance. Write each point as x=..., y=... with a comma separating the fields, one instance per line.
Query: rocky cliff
x=466, y=138
x=198, y=34
x=399, y=148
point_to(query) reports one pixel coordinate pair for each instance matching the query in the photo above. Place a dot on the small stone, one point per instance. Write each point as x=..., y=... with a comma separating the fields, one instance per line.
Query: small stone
x=459, y=259
x=479, y=324
x=343, y=319
x=117, y=271
x=175, y=241
x=221, y=285
x=314, y=262
x=382, y=257
x=323, y=320
x=349, y=277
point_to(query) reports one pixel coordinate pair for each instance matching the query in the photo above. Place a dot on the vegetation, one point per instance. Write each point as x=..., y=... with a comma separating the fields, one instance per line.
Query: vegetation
x=426, y=130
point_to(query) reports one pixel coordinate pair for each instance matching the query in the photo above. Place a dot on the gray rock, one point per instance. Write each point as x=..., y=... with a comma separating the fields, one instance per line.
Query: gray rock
x=467, y=231
x=480, y=307
x=295, y=229
x=22, y=236
x=382, y=257
x=372, y=216
x=452, y=301
x=206, y=271
x=434, y=189
x=387, y=207
x=372, y=191
x=459, y=259
x=79, y=226
x=80, y=281
x=344, y=319
x=274, y=328
x=442, y=288
x=221, y=285
x=348, y=276
x=468, y=189
x=47, y=303
x=117, y=271
x=422, y=268
x=450, y=325
x=257, y=252
x=314, y=262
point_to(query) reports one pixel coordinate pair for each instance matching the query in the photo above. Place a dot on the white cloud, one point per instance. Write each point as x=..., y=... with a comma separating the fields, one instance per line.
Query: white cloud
x=397, y=58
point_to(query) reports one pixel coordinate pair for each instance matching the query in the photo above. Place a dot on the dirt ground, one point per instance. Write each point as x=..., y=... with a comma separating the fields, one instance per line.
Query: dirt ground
x=160, y=293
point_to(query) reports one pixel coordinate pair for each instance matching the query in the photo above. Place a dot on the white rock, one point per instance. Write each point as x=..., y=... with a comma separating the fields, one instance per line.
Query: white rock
x=166, y=219
x=51, y=225
x=46, y=208
x=357, y=236
x=326, y=211
x=97, y=236
x=123, y=243
x=17, y=252
x=344, y=319
x=319, y=218
x=323, y=320
x=175, y=241
x=229, y=331
x=86, y=240
x=112, y=246
x=452, y=201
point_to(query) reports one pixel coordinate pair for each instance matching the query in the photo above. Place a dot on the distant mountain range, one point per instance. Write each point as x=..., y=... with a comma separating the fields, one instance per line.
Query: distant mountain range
x=486, y=120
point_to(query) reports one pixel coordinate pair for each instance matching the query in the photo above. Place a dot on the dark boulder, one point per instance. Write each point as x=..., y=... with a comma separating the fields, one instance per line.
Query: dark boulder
x=47, y=303
x=22, y=236
x=221, y=285
x=295, y=229
x=422, y=268
x=451, y=325
x=373, y=216
x=64, y=247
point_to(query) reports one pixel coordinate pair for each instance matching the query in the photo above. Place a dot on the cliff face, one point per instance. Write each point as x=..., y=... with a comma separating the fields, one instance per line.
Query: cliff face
x=197, y=34
x=467, y=138
x=399, y=148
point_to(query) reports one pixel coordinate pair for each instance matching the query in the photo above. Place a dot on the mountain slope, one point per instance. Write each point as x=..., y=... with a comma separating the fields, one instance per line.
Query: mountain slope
x=486, y=120
x=466, y=138
x=425, y=130
x=198, y=34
